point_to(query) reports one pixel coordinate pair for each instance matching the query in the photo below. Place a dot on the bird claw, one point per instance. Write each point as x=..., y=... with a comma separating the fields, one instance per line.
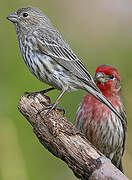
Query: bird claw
x=61, y=110
x=49, y=107
x=29, y=93
x=37, y=92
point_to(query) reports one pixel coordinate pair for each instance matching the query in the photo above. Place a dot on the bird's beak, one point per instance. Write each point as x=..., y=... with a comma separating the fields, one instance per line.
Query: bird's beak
x=13, y=17
x=100, y=77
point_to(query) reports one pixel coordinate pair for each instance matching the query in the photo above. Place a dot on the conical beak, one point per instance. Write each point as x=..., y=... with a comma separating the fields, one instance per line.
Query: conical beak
x=13, y=17
x=99, y=77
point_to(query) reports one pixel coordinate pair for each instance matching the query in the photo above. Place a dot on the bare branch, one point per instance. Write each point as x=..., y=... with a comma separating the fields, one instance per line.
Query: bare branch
x=64, y=141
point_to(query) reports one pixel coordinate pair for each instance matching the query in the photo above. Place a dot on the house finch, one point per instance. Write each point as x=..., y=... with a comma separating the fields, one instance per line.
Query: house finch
x=49, y=57
x=100, y=125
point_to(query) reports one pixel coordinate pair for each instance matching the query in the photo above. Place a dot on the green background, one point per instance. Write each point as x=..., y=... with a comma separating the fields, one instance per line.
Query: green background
x=99, y=32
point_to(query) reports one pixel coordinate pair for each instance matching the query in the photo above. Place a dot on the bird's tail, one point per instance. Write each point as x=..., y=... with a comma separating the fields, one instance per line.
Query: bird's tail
x=118, y=163
x=98, y=95
x=121, y=167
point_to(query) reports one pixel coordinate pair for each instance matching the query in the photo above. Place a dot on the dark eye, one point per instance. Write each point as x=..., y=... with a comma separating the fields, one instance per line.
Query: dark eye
x=111, y=76
x=25, y=14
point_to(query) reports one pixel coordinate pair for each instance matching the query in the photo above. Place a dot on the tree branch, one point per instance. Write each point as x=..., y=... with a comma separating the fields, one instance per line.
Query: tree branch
x=63, y=140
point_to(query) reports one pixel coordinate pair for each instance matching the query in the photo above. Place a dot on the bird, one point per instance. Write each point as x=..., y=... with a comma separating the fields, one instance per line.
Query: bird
x=100, y=125
x=49, y=57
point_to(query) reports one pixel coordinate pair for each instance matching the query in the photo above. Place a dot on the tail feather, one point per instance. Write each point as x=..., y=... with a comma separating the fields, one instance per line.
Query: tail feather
x=121, y=167
x=98, y=95
x=118, y=164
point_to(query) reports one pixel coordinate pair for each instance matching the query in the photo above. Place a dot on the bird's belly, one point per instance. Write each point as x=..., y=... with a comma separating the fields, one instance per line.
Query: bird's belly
x=107, y=136
x=103, y=129
x=50, y=72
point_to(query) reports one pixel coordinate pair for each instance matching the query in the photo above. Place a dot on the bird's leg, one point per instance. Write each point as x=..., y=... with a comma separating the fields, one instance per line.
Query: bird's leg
x=37, y=92
x=52, y=106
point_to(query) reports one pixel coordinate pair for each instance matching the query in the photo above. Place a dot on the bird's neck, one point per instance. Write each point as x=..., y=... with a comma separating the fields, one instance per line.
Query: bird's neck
x=109, y=91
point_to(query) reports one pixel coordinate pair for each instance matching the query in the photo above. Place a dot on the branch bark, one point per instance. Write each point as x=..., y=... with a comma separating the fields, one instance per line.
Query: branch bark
x=63, y=140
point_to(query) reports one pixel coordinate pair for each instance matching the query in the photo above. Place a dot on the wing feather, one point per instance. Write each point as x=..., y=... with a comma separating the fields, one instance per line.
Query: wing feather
x=124, y=124
x=66, y=58
x=51, y=43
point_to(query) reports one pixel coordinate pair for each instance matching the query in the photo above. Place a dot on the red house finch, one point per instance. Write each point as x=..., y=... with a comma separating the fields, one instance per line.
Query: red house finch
x=49, y=57
x=100, y=125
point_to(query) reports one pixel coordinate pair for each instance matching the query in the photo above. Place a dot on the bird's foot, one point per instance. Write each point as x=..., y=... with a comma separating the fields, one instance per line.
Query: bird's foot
x=29, y=93
x=37, y=92
x=49, y=107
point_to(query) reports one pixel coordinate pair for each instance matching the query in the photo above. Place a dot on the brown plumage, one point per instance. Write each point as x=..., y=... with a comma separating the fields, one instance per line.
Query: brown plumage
x=49, y=57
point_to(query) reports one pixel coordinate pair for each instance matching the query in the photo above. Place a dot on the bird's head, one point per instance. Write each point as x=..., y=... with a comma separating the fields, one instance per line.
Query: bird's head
x=108, y=79
x=28, y=17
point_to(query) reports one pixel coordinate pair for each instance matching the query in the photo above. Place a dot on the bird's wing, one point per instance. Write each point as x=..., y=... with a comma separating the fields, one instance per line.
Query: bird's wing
x=117, y=159
x=52, y=44
x=124, y=124
x=66, y=58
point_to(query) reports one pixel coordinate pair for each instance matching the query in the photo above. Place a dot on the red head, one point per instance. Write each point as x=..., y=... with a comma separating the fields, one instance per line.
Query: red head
x=108, y=80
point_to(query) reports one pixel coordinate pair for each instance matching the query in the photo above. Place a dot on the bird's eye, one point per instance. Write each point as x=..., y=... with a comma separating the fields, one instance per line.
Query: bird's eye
x=111, y=76
x=25, y=14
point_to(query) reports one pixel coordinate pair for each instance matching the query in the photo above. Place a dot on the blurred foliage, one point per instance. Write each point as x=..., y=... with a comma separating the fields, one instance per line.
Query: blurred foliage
x=98, y=32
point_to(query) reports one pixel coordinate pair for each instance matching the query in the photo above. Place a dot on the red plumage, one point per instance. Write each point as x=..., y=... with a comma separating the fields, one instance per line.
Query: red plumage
x=99, y=124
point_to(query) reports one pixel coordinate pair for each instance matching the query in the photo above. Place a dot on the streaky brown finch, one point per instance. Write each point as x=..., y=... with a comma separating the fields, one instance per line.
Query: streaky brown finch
x=49, y=57
x=100, y=125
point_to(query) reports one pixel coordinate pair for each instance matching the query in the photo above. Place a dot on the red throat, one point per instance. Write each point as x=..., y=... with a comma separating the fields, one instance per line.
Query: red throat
x=105, y=88
x=109, y=88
